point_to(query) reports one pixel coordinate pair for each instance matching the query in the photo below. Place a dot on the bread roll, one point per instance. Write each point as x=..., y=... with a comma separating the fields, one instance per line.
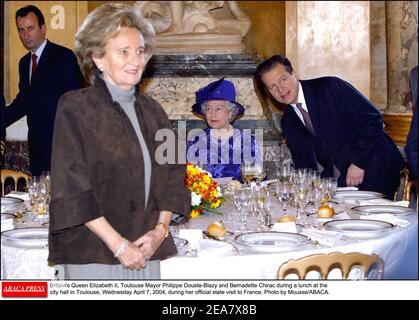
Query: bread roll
x=287, y=218
x=325, y=211
x=217, y=229
x=234, y=184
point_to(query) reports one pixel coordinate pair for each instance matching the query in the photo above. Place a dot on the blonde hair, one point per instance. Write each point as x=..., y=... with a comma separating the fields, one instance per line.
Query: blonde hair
x=103, y=23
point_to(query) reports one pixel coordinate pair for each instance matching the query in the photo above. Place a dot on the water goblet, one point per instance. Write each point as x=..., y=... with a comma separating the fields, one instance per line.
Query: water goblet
x=284, y=191
x=260, y=171
x=247, y=172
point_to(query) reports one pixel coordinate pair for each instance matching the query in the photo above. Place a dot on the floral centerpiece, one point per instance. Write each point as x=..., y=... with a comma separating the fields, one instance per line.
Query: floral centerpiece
x=206, y=194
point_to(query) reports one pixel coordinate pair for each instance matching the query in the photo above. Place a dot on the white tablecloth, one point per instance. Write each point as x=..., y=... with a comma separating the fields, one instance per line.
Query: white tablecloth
x=397, y=248
x=392, y=248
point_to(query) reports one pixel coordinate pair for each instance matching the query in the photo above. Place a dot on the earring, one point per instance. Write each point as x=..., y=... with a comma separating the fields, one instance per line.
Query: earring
x=101, y=68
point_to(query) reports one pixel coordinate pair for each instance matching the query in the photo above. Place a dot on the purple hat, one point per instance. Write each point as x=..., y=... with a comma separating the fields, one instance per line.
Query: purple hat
x=217, y=90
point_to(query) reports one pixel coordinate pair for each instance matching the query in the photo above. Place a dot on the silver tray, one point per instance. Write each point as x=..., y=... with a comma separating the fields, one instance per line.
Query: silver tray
x=359, y=228
x=357, y=195
x=377, y=209
x=271, y=241
x=26, y=237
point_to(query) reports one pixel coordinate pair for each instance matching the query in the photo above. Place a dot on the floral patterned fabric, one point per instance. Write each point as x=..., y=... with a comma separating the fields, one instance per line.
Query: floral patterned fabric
x=223, y=158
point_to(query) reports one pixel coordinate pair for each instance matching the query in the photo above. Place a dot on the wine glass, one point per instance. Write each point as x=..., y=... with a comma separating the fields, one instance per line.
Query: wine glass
x=302, y=198
x=247, y=172
x=260, y=171
x=242, y=200
x=284, y=191
x=285, y=172
x=34, y=191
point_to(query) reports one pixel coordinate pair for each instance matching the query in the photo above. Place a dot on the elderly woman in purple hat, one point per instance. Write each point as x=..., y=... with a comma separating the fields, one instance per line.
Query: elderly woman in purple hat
x=221, y=148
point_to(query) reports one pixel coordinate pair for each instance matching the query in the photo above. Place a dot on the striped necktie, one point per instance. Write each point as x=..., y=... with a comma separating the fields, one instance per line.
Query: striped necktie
x=306, y=118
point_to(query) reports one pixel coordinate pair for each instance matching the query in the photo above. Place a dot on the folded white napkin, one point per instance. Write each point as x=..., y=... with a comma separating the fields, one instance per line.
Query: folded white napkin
x=387, y=217
x=7, y=224
x=18, y=194
x=346, y=189
x=324, y=237
x=285, y=227
x=213, y=248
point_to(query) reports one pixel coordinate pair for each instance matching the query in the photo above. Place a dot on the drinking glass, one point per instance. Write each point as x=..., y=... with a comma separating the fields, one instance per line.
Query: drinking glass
x=34, y=191
x=284, y=191
x=242, y=199
x=331, y=186
x=285, y=172
x=260, y=171
x=248, y=173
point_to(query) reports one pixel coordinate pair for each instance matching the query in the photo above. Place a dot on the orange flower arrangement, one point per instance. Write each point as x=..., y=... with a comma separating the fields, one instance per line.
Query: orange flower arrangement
x=206, y=195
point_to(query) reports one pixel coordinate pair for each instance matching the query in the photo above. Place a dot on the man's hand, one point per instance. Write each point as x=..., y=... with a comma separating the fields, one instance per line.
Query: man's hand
x=355, y=175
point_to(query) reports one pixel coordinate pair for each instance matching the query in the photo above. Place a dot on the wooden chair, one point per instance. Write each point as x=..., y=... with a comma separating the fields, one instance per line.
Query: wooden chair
x=407, y=186
x=324, y=263
x=14, y=175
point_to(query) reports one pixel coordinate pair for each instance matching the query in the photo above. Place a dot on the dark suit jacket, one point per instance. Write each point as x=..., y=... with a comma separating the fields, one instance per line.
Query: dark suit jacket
x=57, y=73
x=412, y=147
x=2, y=129
x=349, y=129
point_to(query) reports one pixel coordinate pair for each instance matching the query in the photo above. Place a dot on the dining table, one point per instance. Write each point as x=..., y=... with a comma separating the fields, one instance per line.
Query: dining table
x=397, y=246
x=239, y=255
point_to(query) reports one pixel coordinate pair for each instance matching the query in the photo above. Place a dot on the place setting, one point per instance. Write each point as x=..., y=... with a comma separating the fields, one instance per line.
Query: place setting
x=31, y=238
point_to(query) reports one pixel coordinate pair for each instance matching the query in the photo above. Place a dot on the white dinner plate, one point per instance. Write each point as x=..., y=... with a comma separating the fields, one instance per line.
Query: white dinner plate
x=227, y=236
x=10, y=200
x=271, y=241
x=7, y=216
x=26, y=237
x=357, y=195
x=359, y=228
x=10, y=204
x=377, y=209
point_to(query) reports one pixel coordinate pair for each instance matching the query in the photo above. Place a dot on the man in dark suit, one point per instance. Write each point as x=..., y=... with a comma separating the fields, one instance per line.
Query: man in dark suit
x=412, y=146
x=45, y=73
x=329, y=123
x=2, y=130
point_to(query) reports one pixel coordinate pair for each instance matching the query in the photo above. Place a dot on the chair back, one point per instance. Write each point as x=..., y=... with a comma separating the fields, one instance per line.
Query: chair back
x=324, y=263
x=408, y=190
x=14, y=175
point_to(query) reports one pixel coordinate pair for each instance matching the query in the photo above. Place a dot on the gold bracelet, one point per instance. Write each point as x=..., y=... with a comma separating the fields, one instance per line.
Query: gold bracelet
x=166, y=228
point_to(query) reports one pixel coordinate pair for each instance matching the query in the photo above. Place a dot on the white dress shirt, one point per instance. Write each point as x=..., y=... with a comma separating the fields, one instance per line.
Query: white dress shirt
x=301, y=100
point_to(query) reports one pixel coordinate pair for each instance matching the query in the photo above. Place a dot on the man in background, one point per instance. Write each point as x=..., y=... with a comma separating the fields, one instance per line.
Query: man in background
x=46, y=72
x=2, y=130
x=412, y=138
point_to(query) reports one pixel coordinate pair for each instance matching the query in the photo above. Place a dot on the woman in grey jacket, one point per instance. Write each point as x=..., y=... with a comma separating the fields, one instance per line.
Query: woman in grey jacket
x=111, y=201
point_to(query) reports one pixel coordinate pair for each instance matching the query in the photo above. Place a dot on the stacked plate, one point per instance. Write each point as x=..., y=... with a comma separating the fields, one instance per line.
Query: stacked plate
x=7, y=221
x=26, y=237
x=10, y=204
